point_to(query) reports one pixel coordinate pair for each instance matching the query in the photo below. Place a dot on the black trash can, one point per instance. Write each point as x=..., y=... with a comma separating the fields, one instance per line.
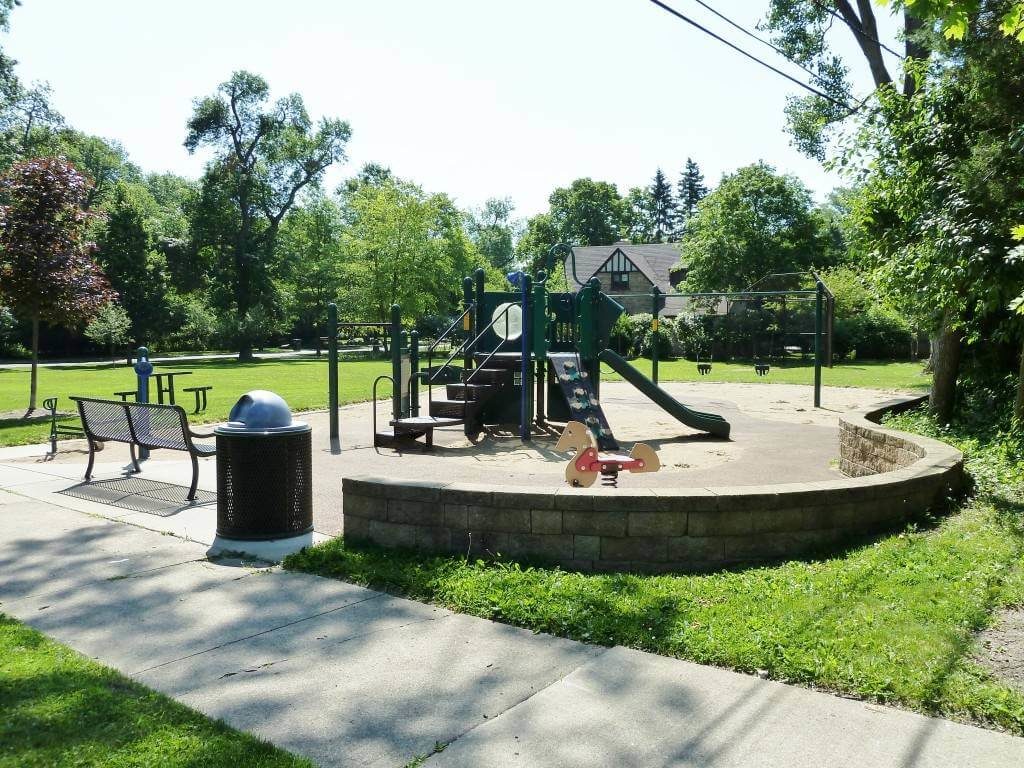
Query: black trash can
x=264, y=471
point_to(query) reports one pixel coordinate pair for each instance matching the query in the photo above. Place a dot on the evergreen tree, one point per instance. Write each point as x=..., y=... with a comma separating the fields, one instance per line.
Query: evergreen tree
x=664, y=207
x=691, y=190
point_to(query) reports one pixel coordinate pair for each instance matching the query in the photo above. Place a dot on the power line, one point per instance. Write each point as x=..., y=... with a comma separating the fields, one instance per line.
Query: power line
x=770, y=44
x=858, y=30
x=750, y=56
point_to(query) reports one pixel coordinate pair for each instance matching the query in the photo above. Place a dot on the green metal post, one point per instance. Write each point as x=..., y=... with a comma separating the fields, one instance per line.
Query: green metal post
x=539, y=329
x=478, y=289
x=817, y=342
x=467, y=322
x=414, y=368
x=395, y=330
x=654, y=333
x=526, y=382
x=332, y=368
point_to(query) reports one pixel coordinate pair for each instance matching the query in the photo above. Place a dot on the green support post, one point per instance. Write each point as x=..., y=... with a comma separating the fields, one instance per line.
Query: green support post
x=539, y=329
x=819, y=291
x=478, y=292
x=468, y=324
x=395, y=330
x=654, y=332
x=332, y=370
x=526, y=378
x=414, y=368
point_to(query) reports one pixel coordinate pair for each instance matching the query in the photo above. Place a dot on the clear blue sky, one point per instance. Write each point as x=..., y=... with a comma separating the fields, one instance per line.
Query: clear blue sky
x=474, y=98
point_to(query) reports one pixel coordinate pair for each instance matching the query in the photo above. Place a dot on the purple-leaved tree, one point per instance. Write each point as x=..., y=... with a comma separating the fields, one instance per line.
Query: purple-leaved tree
x=47, y=271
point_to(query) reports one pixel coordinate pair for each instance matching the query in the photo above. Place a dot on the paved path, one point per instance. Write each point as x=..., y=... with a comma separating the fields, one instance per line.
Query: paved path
x=354, y=677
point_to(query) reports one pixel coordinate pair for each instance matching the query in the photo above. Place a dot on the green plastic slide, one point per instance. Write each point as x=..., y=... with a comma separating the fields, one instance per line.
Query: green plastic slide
x=706, y=422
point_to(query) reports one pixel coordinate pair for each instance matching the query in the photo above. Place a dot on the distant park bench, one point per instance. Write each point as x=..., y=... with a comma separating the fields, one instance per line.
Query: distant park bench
x=143, y=425
x=58, y=430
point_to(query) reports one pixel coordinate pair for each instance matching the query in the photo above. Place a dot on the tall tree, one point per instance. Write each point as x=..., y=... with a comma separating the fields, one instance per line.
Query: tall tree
x=755, y=223
x=134, y=268
x=391, y=253
x=664, y=207
x=47, y=272
x=264, y=158
x=691, y=190
x=312, y=260
x=539, y=234
x=493, y=231
x=588, y=212
x=639, y=221
x=942, y=194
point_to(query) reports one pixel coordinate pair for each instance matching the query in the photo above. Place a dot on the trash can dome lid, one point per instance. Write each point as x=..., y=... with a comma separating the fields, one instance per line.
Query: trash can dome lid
x=260, y=409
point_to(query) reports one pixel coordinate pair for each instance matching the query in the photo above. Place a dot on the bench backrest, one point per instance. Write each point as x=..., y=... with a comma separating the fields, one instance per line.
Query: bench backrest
x=157, y=426
x=104, y=419
x=147, y=424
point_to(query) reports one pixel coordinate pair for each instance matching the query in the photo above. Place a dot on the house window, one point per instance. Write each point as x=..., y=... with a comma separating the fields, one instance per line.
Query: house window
x=620, y=280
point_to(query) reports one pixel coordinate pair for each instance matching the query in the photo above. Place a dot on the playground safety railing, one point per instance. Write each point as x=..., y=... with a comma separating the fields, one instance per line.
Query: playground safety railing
x=432, y=375
x=490, y=325
x=375, y=383
x=466, y=379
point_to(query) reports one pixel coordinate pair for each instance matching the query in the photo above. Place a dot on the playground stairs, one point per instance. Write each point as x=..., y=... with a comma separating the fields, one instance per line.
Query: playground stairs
x=465, y=400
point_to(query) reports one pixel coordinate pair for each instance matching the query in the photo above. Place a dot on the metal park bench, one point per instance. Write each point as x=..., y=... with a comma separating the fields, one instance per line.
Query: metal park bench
x=143, y=425
x=58, y=430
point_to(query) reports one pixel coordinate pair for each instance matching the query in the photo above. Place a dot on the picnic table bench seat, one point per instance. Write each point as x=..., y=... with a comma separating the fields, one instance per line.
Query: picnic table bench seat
x=145, y=425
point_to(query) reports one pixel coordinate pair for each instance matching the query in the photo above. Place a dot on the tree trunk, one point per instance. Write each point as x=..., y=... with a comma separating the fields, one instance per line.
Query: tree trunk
x=35, y=365
x=1018, y=406
x=945, y=369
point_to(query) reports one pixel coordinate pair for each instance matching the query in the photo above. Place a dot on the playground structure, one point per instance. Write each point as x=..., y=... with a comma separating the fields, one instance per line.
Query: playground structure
x=528, y=356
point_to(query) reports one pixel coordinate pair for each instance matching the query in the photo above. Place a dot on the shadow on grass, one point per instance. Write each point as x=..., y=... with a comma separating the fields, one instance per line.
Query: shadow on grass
x=61, y=709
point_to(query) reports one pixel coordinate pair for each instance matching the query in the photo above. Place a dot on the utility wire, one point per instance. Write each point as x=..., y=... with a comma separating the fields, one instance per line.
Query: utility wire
x=858, y=31
x=751, y=56
x=769, y=43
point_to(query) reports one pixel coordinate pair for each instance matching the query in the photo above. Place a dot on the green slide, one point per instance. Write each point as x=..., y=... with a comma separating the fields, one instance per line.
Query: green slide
x=706, y=422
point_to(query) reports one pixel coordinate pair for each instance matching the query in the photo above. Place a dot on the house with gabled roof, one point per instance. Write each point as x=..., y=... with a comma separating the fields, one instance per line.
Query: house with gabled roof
x=625, y=269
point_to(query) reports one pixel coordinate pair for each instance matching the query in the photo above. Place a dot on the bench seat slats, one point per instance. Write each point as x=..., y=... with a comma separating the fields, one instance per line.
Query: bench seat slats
x=148, y=425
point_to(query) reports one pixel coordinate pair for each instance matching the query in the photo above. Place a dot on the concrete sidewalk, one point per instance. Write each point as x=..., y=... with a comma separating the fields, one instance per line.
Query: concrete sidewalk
x=353, y=677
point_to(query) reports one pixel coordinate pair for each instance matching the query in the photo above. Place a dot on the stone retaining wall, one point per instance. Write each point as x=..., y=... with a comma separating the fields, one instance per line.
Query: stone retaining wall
x=662, y=529
x=867, y=449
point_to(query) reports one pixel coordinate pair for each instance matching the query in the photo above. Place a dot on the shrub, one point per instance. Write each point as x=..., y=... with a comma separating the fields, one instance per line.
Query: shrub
x=632, y=336
x=865, y=324
x=195, y=321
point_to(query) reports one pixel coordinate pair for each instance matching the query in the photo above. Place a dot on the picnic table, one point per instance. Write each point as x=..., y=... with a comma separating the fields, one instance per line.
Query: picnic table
x=168, y=387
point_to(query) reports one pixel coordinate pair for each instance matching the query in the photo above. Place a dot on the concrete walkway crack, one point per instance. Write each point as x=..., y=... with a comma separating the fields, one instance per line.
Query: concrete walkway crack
x=524, y=699
x=258, y=634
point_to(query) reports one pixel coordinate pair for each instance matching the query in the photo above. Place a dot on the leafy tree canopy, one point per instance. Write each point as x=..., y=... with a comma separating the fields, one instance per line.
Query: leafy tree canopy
x=755, y=223
x=265, y=156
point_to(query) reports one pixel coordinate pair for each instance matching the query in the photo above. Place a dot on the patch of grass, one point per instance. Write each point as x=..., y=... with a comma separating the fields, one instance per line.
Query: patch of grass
x=893, y=621
x=303, y=383
x=874, y=374
x=61, y=709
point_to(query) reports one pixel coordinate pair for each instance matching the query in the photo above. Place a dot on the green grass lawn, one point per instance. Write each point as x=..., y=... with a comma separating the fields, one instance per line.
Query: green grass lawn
x=58, y=708
x=891, y=621
x=303, y=383
x=872, y=374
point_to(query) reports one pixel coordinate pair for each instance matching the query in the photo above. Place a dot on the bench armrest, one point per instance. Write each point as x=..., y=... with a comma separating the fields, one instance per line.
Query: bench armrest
x=200, y=434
